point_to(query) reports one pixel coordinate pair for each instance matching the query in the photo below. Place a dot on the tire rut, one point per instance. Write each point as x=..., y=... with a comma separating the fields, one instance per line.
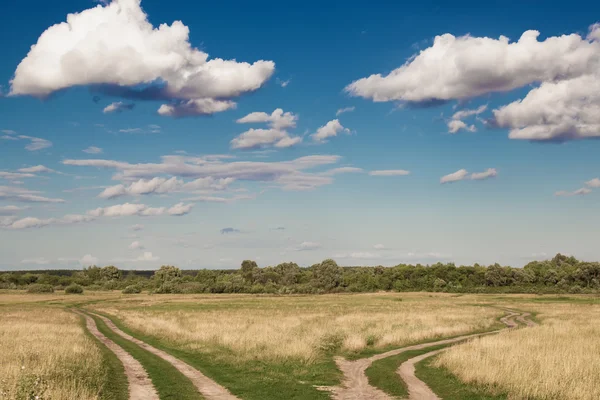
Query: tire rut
x=210, y=389
x=355, y=384
x=418, y=390
x=140, y=386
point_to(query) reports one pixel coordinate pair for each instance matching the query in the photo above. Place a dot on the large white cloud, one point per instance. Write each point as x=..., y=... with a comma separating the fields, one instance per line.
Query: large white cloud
x=278, y=119
x=555, y=111
x=116, y=45
x=565, y=106
x=464, y=67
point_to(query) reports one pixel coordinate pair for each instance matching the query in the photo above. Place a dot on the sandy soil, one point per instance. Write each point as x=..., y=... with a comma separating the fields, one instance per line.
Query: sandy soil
x=210, y=389
x=140, y=385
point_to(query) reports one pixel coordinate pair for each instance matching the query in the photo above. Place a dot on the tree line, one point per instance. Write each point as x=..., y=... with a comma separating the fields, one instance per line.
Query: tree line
x=561, y=274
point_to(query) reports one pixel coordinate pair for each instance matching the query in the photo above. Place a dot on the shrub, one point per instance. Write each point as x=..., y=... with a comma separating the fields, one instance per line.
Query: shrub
x=74, y=289
x=40, y=288
x=132, y=289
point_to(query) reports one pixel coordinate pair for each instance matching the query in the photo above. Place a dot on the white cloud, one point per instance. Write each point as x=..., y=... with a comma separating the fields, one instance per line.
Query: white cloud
x=37, y=261
x=195, y=107
x=130, y=209
x=277, y=120
x=260, y=138
x=390, y=172
x=462, y=114
x=282, y=83
x=284, y=173
x=488, y=173
x=364, y=255
x=130, y=130
x=118, y=107
x=180, y=209
x=14, y=175
x=459, y=175
x=36, y=169
x=35, y=143
x=88, y=260
x=379, y=247
x=463, y=174
x=11, y=210
x=555, y=111
x=8, y=131
x=300, y=181
x=25, y=195
x=93, y=150
x=147, y=256
x=137, y=227
x=163, y=185
x=342, y=170
x=593, y=183
x=330, y=129
x=456, y=125
x=578, y=192
x=136, y=246
x=344, y=110
x=33, y=222
x=115, y=45
x=465, y=67
x=306, y=246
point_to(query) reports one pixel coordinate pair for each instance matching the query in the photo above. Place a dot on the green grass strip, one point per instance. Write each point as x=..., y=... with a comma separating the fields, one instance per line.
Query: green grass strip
x=382, y=373
x=253, y=380
x=449, y=387
x=115, y=386
x=168, y=381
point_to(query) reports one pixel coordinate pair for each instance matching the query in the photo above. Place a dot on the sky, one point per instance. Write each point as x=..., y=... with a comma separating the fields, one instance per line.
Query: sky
x=151, y=133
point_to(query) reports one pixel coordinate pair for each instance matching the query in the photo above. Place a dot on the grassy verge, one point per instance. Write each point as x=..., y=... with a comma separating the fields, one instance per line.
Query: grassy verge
x=115, y=385
x=253, y=380
x=448, y=386
x=168, y=381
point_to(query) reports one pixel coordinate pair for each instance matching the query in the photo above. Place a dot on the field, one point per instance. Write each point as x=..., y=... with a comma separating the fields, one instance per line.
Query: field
x=299, y=347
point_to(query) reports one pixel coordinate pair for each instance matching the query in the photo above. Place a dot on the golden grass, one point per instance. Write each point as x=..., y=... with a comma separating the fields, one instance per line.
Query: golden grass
x=557, y=360
x=44, y=352
x=299, y=328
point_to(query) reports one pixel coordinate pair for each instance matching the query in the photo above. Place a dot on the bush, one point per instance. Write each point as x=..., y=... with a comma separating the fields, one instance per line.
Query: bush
x=132, y=289
x=74, y=289
x=40, y=288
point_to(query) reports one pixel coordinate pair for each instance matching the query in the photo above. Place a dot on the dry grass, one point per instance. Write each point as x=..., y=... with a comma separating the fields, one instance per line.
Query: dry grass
x=300, y=328
x=44, y=352
x=557, y=360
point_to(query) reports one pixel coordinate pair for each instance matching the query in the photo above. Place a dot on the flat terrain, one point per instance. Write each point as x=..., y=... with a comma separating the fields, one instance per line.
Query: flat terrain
x=362, y=346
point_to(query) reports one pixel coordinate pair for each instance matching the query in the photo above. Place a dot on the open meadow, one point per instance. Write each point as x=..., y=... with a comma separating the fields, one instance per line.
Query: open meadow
x=339, y=346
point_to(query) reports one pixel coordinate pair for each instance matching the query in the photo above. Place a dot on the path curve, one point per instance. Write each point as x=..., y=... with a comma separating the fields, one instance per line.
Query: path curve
x=139, y=384
x=210, y=389
x=355, y=384
x=417, y=389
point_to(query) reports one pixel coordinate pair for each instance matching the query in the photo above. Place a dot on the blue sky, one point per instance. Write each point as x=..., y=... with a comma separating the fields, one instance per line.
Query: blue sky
x=350, y=167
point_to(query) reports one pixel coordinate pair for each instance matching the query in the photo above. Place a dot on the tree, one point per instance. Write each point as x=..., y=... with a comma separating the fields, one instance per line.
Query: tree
x=248, y=270
x=327, y=275
x=167, y=273
x=110, y=273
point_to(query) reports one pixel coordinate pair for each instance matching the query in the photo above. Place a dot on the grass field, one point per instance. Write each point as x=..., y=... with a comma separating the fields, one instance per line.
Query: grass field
x=259, y=347
x=557, y=360
x=45, y=352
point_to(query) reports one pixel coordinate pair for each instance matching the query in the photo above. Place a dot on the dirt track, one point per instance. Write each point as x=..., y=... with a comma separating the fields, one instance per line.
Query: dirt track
x=355, y=384
x=210, y=389
x=417, y=389
x=140, y=385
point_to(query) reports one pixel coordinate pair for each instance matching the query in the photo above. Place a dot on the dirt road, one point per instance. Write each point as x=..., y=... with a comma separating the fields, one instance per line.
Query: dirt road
x=417, y=389
x=210, y=389
x=140, y=385
x=355, y=384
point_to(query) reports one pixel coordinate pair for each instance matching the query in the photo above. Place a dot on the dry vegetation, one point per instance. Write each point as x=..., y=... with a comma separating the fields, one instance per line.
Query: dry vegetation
x=557, y=360
x=300, y=328
x=46, y=353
